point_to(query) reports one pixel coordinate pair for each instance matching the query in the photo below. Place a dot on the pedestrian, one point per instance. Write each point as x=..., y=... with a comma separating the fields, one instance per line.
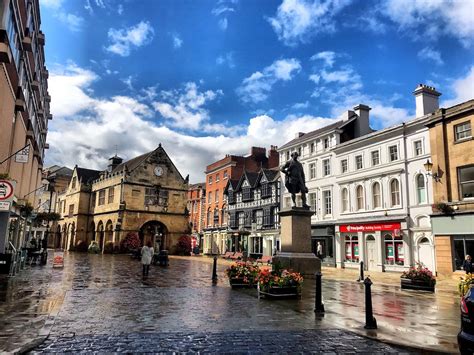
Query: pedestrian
x=467, y=264
x=147, y=255
x=319, y=251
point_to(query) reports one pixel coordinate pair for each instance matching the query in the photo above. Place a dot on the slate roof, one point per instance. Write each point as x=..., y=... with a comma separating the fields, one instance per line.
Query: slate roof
x=87, y=175
x=316, y=133
x=271, y=174
x=132, y=163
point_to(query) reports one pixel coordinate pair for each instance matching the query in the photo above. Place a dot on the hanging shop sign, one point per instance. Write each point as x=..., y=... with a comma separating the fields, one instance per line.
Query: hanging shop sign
x=6, y=190
x=348, y=228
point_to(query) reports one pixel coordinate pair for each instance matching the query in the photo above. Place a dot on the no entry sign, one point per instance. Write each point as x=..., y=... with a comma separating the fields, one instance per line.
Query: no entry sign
x=6, y=190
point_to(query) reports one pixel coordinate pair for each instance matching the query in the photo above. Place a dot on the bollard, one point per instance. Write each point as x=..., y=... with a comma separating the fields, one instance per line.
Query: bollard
x=214, y=271
x=370, y=321
x=318, y=304
x=361, y=272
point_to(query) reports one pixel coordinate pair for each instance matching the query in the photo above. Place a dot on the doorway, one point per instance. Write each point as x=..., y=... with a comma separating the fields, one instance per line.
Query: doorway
x=425, y=253
x=371, y=253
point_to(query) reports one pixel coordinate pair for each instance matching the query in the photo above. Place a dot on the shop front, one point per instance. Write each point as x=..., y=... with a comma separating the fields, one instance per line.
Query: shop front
x=454, y=239
x=263, y=244
x=381, y=246
x=322, y=244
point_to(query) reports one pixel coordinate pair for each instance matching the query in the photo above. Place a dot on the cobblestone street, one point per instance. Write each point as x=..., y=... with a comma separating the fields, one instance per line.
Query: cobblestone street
x=101, y=303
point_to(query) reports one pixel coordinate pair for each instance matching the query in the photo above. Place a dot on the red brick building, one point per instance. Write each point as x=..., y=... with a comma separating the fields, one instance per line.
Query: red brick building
x=196, y=208
x=217, y=175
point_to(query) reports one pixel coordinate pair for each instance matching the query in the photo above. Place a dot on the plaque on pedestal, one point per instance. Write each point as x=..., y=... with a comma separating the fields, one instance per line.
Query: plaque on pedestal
x=296, y=242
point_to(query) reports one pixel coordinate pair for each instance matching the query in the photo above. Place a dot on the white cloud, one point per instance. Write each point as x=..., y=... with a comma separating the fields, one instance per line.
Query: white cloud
x=186, y=107
x=73, y=22
x=222, y=10
x=125, y=39
x=328, y=57
x=462, y=88
x=87, y=134
x=120, y=9
x=427, y=20
x=226, y=59
x=301, y=105
x=52, y=4
x=257, y=86
x=429, y=53
x=299, y=20
x=177, y=41
x=128, y=81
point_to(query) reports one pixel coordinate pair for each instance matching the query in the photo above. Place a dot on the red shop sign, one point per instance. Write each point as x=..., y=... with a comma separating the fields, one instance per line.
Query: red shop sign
x=347, y=228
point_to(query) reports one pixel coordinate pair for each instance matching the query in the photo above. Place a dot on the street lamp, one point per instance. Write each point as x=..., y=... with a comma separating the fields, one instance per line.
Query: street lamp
x=428, y=167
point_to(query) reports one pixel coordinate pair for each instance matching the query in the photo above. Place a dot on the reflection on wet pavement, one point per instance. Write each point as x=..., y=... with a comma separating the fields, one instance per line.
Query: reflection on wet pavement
x=105, y=294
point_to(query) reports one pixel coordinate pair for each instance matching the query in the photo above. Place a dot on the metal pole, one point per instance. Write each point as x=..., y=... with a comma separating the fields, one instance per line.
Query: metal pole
x=361, y=272
x=214, y=271
x=370, y=321
x=318, y=302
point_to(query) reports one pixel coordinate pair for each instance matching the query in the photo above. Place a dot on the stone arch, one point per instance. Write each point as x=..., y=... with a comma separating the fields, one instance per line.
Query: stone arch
x=91, y=231
x=109, y=231
x=155, y=232
x=100, y=235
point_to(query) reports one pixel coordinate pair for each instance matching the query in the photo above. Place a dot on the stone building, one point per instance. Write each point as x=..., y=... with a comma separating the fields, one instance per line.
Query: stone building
x=145, y=195
x=24, y=111
x=217, y=175
x=196, y=202
x=452, y=169
x=253, y=204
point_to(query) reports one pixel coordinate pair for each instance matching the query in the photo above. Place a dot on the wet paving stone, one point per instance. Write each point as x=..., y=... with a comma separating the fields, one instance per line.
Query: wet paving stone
x=100, y=303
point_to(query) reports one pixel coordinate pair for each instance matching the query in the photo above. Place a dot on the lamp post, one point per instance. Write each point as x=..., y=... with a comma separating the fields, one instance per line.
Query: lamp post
x=428, y=168
x=44, y=243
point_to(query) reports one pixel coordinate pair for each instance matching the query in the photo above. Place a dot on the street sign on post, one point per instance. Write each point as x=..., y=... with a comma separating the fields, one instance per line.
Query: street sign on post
x=7, y=189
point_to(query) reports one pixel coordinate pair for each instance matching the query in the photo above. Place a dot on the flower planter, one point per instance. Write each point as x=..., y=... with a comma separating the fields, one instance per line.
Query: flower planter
x=280, y=292
x=238, y=282
x=419, y=285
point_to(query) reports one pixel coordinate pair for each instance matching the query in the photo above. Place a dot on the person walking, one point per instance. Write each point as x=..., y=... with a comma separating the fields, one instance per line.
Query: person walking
x=147, y=255
x=319, y=250
x=467, y=264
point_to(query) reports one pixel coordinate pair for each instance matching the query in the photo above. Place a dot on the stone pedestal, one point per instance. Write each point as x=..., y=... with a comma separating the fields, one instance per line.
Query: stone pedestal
x=295, y=242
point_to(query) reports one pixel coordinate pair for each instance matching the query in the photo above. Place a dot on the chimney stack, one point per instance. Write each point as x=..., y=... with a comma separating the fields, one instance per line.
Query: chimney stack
x=426, y=98
x=362, y=125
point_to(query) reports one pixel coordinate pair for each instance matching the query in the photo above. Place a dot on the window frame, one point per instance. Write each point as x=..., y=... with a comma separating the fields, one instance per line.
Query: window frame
x=327, y=202
x=460, y=183
x=345, y=199
x=374, y=206
x=357, y=161
x=392, y=204
x=372, y=157
x=360, y=199
x=344, y=166
x=312, y=171
x=390, y=158
x=456, y=133
x=418, y=189
x=415, y=150
x=327, y=168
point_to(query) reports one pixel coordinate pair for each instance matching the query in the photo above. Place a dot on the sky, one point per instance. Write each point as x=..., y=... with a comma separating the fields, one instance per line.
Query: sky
x=208, y=78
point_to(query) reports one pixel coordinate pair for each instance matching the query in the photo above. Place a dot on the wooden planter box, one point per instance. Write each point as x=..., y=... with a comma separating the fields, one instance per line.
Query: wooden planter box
x=420, y=285
x=280, y=292
x=238, y=282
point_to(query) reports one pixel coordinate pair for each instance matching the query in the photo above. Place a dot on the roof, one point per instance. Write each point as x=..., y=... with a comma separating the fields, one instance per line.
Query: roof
x=271, y=174
x=132, y=163
x=315, y=133
x=87, y=175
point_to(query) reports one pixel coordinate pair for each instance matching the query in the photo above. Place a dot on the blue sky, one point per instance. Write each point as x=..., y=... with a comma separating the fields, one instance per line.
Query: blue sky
x=207, y=78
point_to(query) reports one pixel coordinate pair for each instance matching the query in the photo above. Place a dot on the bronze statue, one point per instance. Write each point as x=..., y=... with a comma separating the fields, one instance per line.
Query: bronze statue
x=295, y=179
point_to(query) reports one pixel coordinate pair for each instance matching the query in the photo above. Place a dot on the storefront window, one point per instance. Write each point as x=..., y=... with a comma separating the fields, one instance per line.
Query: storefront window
x=394, y=253
x=352, y=249
x=463, y=245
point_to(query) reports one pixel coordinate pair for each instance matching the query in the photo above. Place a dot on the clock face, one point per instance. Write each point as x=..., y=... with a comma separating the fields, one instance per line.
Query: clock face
x=158, y=171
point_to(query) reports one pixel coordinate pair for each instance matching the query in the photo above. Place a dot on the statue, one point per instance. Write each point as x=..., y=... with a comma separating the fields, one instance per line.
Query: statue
x=295, y=179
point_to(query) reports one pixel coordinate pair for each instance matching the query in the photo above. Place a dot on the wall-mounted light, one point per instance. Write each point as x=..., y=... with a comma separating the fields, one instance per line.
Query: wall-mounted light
x=429, y=167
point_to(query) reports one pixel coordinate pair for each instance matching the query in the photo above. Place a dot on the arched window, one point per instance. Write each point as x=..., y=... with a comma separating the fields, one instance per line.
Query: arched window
x=421, y=189
x=360, y=197
x=376, y=200
x=395, y=192
x=345, y=200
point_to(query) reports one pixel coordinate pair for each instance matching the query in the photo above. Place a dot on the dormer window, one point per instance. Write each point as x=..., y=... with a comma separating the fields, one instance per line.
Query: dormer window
x=326, y=143
x=230, y=197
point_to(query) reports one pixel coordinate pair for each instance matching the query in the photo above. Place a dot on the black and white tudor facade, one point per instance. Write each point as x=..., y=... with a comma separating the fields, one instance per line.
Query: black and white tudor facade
x=253, y=205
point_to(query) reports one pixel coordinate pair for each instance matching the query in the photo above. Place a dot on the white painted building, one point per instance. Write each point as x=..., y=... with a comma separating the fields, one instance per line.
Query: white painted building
x=371, y=195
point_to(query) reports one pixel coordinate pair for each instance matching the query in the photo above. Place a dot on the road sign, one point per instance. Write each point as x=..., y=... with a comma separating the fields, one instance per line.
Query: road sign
x=4, y=206
x=6, y=190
